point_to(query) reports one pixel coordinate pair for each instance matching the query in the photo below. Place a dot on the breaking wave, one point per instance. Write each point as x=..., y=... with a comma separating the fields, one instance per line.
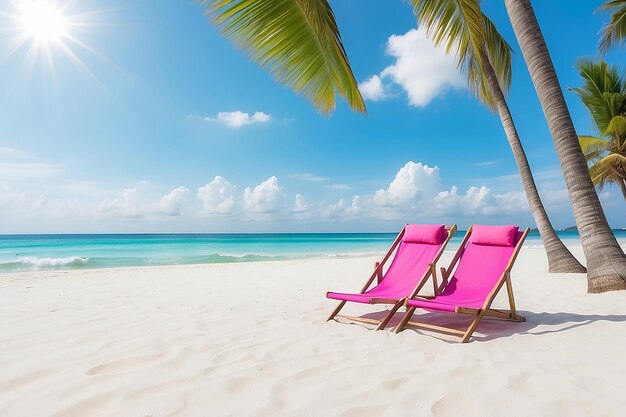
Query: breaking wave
x=216, y=258
x=34, y=263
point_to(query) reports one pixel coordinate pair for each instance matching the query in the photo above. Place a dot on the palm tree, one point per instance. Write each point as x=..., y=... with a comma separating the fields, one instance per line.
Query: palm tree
x=606, y=262
x=299, y=43
x=485, y=57
x=604, y=94
x=614, y=32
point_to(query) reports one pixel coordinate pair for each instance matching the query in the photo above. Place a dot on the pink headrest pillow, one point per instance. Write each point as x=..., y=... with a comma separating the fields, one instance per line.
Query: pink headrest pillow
x=433, y=234
x=493, y=235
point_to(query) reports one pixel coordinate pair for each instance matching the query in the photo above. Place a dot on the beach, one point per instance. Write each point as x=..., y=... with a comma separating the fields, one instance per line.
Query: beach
x=250, y=339
x=185, y=184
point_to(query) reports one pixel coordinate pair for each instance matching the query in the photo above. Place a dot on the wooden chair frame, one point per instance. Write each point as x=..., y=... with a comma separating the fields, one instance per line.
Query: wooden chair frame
x=486, y=310
x=378, y=274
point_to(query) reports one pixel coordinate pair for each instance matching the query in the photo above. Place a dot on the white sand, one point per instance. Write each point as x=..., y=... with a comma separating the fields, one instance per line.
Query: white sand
x=251, y=340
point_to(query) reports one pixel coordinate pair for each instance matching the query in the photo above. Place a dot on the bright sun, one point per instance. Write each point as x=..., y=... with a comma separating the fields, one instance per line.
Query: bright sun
x=45, y=31
x=41, y=21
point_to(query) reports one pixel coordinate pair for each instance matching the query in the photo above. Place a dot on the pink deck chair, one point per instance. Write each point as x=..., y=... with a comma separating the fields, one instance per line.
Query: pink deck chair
x=485, y=259
x=418, y=250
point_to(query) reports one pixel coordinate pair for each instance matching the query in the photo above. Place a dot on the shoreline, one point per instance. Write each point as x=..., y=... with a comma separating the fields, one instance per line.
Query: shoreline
x=238, y=259
x=97, y=252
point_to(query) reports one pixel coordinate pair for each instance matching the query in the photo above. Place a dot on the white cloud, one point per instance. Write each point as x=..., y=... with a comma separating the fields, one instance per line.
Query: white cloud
x=19, y=166
x=50, y=202
x=127, y=205
x=421, y=69
x=300, y=205
x=131, y=205
x=333, y=210
x=355, y=208
x=416, y=190
x=238, y=118
x=171, y=203
x=374, y=89
x=513, y=202
x=218, y=196
x=307, y=176
x=11, y=200
x=344, y=210
x=477, y=200
x=558, y=198
x=266, y=197
x=413, y=181
x=485, y=164
x=6, y=152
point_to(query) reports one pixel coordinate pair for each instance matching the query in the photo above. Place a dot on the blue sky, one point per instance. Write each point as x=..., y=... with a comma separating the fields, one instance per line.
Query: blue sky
x=155, y=123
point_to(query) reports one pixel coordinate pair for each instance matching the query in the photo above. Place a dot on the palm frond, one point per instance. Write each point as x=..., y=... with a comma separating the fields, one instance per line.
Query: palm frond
x=499, y=52
x=593, y=148
x=600, y=79
x=609, y=169
x=617, y=126
x=297, y=41
x=462, y=28
x=617, y=134
x=614, y=32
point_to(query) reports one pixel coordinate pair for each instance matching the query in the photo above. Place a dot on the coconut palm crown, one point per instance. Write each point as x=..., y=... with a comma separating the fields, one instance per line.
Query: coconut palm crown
x=604, y=94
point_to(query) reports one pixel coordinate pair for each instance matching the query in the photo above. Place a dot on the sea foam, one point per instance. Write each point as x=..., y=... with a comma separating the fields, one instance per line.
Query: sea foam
x=33, y=262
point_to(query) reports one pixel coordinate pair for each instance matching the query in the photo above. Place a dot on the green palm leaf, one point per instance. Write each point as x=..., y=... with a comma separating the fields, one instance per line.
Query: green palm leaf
x=593, y=148
x=614, y=32
x=462, y=28
x=617, y=132
x=602, y=92
x=499, y=53
x=297, y=41
x=617, y=126
x=609, y=169
x=604, y=95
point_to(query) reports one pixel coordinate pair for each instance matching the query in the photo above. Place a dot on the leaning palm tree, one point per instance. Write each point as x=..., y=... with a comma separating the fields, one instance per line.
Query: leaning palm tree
x=604, y=94
x=606, y=262
x=614, y=32
x=485, y=58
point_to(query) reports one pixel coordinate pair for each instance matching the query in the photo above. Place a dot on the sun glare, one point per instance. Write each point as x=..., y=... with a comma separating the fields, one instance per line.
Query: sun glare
x=44, y=31
x=42, y=21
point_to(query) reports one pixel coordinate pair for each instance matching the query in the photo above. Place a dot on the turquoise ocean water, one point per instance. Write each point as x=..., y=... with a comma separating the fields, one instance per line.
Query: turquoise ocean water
x=40, y=252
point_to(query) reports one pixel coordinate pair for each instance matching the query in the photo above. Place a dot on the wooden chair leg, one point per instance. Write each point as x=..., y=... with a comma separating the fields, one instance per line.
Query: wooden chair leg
x=336, y=310
x=384, y=322
x=405, y=320
x=472, y=327
x=509, y=291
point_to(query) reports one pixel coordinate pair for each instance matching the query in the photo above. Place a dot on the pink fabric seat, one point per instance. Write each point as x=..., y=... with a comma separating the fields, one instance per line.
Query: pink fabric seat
x=410, y=263
x=483, y=267
x=478, y=272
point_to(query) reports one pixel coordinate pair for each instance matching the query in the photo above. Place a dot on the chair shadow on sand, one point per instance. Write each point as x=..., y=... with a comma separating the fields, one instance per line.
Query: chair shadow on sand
x=493, y=328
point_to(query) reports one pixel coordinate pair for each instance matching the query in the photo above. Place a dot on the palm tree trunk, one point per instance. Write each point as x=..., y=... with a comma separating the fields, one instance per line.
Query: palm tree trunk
x=606, y=262
x=560, y=259
x=622, y=185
